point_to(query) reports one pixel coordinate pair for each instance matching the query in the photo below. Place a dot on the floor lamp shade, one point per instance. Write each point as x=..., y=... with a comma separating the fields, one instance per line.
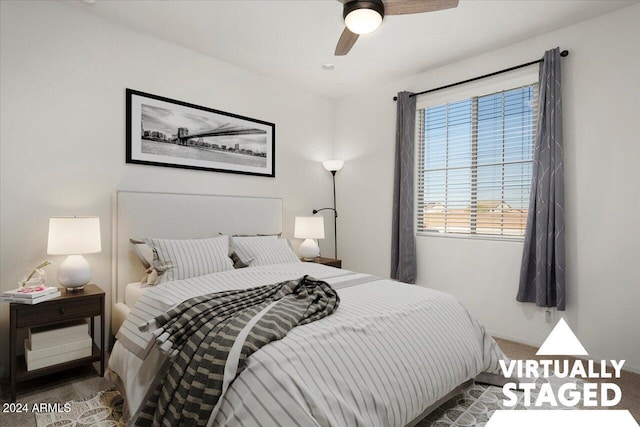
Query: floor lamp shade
x=333, y=165
x=74, y=236
x=309, y=228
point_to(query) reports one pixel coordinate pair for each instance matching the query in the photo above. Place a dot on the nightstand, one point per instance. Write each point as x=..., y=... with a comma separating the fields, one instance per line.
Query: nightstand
x=88, y=302
x=328, y=261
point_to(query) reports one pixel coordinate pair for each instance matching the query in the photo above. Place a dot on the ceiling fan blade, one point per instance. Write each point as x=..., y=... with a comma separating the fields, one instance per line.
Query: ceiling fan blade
x=346, y=42
x=405, y=7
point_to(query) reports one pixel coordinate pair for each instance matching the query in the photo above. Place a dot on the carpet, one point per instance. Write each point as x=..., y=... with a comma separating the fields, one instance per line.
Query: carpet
x=103, y=409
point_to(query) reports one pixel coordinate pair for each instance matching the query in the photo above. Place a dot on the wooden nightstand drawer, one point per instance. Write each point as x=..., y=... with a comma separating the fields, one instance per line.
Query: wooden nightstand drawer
x=58, y=311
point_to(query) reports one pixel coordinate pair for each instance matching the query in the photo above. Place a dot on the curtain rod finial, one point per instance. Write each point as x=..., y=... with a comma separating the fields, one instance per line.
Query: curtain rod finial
x=395, y=98
x=564, y=53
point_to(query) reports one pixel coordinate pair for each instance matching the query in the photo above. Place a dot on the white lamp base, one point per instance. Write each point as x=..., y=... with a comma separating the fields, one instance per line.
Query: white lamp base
x=74, y=272
x=309, y=249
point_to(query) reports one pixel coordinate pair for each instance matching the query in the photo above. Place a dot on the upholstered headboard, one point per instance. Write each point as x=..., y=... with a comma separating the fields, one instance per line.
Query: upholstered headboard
x=181, y=216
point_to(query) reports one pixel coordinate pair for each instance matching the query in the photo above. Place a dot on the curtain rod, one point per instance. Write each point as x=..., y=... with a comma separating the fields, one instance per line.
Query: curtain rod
x=563, y=54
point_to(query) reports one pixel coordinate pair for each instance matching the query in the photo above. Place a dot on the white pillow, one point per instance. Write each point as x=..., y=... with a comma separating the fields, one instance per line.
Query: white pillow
x=257, y=251
x=191, y=257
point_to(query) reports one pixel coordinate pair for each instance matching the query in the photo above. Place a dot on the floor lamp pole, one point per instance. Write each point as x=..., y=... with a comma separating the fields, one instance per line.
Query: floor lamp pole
x=335, y=218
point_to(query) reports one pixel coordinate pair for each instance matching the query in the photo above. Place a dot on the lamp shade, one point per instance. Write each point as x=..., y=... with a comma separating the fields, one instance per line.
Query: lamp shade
x=333, y=165
x=74, y=235
x=309, y=227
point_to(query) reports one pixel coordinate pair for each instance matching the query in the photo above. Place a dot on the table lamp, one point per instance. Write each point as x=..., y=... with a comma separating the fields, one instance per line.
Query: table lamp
x=74, y=236
x=309, y=228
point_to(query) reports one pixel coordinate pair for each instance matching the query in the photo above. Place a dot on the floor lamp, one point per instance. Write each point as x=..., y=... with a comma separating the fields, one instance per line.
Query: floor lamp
x=333, y=166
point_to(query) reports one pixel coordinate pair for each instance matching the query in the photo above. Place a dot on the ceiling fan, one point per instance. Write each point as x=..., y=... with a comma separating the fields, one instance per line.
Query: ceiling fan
x=364, y=17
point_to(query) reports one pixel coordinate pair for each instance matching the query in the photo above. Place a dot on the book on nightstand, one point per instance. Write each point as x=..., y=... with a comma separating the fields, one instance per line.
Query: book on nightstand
x=44, y=337
x=38, y=359
x=19, y=299
x=30, y=292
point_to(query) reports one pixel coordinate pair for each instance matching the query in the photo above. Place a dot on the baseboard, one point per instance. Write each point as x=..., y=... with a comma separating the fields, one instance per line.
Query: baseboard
x=515, y=339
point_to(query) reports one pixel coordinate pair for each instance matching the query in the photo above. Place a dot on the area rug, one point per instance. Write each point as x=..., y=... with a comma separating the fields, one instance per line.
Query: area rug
x=472, y=407
x=102, y=410
x=475, y=405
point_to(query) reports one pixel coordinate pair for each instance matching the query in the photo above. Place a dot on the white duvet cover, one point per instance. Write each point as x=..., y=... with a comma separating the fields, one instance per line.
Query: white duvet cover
x=386, y=354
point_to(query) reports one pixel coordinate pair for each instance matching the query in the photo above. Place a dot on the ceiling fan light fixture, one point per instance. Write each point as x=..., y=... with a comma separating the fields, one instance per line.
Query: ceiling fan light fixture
x=363, y=17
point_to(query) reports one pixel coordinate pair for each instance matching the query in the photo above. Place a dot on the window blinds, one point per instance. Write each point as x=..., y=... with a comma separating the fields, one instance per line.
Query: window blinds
x=474, y=163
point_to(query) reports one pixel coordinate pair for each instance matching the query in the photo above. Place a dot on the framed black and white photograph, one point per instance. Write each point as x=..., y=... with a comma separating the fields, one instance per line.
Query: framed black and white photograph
x=167, y=132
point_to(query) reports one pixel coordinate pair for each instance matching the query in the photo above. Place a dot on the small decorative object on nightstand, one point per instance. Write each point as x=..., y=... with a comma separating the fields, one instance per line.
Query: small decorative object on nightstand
x=69, y=307
x=34, y=277
x=331, y=262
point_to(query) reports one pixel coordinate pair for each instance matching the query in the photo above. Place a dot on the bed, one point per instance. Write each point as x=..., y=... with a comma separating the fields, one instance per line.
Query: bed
x=387, y=356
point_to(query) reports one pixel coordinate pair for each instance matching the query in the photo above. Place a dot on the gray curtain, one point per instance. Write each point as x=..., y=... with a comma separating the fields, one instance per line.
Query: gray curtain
x=403, y=243
x=542, y=274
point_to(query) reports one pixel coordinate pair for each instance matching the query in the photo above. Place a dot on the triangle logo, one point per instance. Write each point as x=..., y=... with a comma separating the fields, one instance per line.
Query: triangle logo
x=561, y=341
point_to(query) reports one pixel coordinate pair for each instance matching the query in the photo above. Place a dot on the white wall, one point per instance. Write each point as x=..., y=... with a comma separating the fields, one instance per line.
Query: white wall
x=63, y=78
x=601, y=127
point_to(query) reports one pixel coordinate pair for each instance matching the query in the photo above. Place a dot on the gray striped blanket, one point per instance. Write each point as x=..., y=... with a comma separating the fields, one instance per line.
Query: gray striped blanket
x=209, y=338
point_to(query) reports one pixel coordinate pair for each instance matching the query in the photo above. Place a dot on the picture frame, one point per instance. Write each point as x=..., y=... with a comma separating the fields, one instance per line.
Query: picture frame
x=179, y=134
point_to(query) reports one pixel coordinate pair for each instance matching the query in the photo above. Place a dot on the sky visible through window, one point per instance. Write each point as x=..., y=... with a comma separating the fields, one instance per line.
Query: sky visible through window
x=478, y=155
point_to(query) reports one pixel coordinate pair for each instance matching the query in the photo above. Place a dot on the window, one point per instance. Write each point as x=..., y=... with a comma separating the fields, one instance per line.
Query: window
x=474, y=163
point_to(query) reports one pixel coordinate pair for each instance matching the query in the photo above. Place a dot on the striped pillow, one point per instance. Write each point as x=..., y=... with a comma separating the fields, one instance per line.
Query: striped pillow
x=257, y=251
x=237, y=262
x=191, y=257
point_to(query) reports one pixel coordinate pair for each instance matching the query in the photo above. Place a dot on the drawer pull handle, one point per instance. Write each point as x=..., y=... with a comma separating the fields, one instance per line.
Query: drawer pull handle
x=62, y=310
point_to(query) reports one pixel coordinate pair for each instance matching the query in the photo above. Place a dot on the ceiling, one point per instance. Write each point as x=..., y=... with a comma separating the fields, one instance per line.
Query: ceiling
x=290, y=40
